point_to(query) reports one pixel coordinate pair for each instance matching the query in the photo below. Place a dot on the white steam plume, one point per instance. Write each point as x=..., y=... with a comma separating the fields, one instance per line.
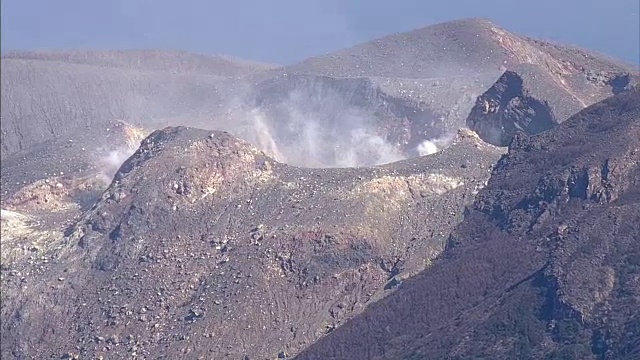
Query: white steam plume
x=111, y=162
x=316, y=129
x=432, y=146
x=427, y=147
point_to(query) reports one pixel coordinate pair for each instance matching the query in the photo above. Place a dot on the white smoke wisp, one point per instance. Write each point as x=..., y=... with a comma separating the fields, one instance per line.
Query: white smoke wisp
x=110, y=163
x=258, y=133
x=316, y=130
x=368, y=149
x=429, y=147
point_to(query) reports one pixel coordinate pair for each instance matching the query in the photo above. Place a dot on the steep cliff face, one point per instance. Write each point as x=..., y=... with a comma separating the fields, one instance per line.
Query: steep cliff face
x=531, y=98
x=544, y=264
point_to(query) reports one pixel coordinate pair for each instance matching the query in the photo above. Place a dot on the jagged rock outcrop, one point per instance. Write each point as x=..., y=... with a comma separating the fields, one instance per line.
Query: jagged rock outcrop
x=543, y=266
x=531, y=99
x=204, y=246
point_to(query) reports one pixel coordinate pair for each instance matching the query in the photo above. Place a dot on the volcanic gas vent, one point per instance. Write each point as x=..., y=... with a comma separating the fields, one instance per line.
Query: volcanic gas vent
x=321, y=122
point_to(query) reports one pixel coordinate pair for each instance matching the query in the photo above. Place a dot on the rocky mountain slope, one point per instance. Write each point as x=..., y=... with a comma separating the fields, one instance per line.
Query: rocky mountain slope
x=204, y=246
x=451, y=48
x=258, y=241
x=543, y=266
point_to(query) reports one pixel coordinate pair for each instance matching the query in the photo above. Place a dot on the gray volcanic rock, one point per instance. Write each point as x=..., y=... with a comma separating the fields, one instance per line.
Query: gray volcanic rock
x=529, y=98
x=50, y=95
x=204, y=246
x=441, y=50
x=46, y=189
x=92, y=151
x=52, y=105
x=543, y=266
x=321, y=121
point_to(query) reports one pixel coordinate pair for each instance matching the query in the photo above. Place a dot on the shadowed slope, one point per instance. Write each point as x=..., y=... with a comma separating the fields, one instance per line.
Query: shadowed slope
x=530, y=99
x=424, y=81
x=544, y=265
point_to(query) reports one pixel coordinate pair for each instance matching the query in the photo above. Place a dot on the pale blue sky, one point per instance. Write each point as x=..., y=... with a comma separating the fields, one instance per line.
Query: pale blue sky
x=285, y=31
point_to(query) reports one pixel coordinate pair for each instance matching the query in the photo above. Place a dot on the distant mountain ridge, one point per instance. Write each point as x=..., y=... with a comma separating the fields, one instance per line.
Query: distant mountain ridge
x=49, y=94
x=452, y=48
x=154, y=60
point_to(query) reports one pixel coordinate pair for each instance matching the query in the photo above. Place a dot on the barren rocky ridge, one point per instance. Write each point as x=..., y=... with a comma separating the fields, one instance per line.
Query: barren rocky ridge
x=296, y=197
x=256, y=249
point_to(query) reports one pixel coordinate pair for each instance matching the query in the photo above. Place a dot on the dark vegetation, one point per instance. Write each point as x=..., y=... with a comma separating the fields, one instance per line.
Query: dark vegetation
x=543, y=266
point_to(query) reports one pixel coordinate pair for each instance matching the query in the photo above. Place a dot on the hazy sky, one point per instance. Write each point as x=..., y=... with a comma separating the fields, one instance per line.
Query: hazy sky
x=285, y=31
